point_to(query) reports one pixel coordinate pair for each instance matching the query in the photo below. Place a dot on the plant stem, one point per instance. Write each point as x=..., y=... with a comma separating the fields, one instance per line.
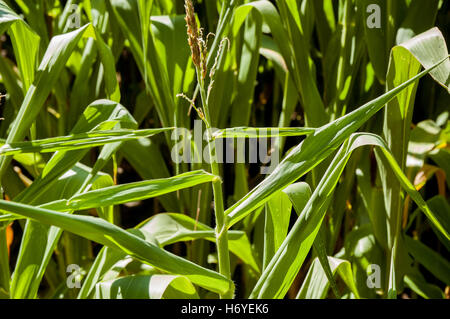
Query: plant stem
x=221, y=229
x=225, y=17
x=4, y=260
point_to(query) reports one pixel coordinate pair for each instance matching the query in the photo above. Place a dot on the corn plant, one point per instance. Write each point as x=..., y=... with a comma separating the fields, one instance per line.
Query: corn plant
x=117, y=175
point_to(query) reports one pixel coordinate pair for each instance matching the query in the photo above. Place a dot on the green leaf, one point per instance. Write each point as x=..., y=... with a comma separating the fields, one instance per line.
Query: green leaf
x=316, y=284
x=439, y=205
x=125, y=193
x=146, y=287
x=430, y=259
x=132, y=16
x=313, y=150
x=169, y=228
x=38, y=241
x=250, y=132
x=106, y=260
x=405, y=62
x=100, y=115
x=419, y=285
x=56, y=56
x=280, y=273
x=248, y=69
x=34, y=256
x=147, y=159
x=277, y=217
x=25, y=43
x=381, y=20
x=107, y=234
x=296, y=59
x=77, y=141
x=170, y=40
x=419, y=18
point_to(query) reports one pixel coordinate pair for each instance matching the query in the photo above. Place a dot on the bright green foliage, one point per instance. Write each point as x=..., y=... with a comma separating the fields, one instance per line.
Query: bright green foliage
x=352, y=95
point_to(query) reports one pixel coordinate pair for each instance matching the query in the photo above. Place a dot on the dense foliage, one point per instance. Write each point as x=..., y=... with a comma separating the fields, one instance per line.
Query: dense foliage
x=232, y=148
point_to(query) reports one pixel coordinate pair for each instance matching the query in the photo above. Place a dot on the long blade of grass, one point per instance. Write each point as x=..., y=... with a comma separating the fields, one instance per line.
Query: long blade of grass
x=169, y=228
x=254, y=132
x=279, y=274
x=25, y=43
x=107, y=234
x=147, y=159
x=125, y=193
x=405, y=62
x=156, y=286
x=316, y=283
x=57, y=54
x=102, y=114
x=313, y=150
x=39, y=241
x=77, y=141
x=431, y=260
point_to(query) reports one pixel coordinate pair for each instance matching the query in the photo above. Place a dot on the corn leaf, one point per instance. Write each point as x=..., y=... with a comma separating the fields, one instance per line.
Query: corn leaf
x=107, y=234
x=146, y=287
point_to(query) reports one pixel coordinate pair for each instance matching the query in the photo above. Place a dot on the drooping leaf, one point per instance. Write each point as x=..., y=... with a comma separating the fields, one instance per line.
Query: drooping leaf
x=316, y=284
x=105, y=233
x=146, y=287
x=314, y=149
